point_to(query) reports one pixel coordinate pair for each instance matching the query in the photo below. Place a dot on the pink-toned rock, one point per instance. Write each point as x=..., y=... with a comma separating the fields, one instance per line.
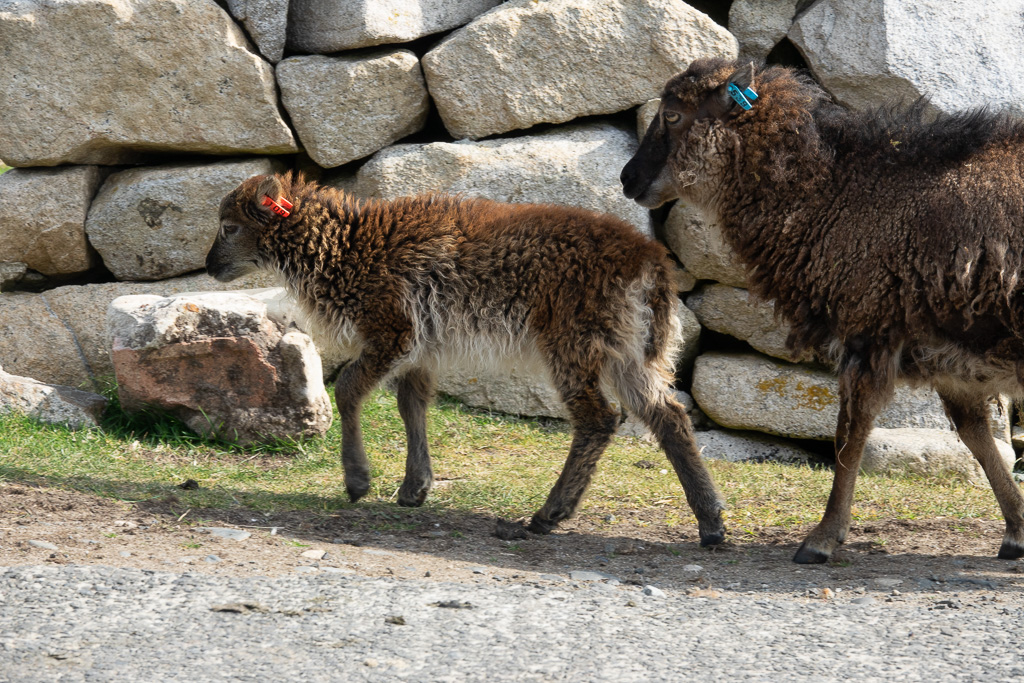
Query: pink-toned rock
x=219, y=363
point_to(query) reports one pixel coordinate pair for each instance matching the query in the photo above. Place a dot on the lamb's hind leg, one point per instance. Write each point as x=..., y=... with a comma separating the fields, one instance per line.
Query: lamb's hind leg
x=668, y=420
x=971, y=420
x=594, y=423
x=862, y=395
x=414, y=390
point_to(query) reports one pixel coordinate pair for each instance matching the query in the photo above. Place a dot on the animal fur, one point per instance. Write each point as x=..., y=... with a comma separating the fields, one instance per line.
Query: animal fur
x=419, y=284
x=893, y=239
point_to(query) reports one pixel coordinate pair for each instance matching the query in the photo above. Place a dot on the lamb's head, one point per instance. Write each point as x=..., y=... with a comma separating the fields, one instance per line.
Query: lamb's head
x=247, y=214
x=690, y=140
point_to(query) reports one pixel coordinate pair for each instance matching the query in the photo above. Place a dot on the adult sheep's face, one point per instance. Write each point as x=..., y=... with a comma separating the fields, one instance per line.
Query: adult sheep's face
x=688, y=143
x=245, y=214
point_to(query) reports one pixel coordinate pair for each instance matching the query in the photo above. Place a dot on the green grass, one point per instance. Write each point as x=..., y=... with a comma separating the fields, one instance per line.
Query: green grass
x=4, y=168
x=482, y=462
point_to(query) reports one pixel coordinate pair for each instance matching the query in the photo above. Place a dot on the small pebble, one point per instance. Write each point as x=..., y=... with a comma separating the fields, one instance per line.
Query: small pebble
x=653, y=591
x=211, y=559
x=693, y=568
x=223, y=532
x=43, y=544
x=866, y=600
x=125, y=553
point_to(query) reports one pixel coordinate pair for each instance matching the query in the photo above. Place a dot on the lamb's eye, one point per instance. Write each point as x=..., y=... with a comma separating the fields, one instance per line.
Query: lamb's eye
x=672, y=117
x=229, y=229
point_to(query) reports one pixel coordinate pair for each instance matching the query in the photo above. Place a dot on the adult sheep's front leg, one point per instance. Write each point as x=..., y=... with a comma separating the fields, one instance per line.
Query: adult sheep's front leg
x=861, y=397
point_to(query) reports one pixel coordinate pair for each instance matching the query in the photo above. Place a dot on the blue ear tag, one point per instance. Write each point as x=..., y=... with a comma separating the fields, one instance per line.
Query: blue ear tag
x=743, y=98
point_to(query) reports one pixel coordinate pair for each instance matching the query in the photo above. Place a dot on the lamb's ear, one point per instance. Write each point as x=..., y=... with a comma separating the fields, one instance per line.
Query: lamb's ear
x=270, y=196
x=735, y=94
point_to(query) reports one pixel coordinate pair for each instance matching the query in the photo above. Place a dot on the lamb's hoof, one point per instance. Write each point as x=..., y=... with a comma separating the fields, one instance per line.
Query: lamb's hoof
x=712, y=538
x=1010, y=550
x=356, y=492
x=540, y=526
x=413, y=501
x=807, y=555
x=510, y=531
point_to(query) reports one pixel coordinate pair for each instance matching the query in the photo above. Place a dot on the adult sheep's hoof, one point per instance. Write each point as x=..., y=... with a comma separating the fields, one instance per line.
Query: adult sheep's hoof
x=807, y=555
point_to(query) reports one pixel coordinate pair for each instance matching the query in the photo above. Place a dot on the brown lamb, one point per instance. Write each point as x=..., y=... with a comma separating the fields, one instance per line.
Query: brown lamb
x=423, y=283
x=891, y=241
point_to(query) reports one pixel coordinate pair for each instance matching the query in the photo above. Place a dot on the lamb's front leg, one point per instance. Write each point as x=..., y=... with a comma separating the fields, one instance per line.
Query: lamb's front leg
x=356, y=380
x=414, y=391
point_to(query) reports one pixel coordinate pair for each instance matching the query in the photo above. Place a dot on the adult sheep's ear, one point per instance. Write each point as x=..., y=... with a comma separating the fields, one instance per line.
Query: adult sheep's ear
x=736, y=94
x=270, y=196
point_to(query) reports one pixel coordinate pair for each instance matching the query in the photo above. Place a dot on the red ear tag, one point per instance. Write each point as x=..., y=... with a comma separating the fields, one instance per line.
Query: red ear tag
x=281, y=207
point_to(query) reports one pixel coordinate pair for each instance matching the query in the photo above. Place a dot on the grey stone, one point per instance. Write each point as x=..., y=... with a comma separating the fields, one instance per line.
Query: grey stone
x=266, y=23
x=701, y=247
x=585, y=575
x=653, y=592
x=733, y=311
x=866, y=600
x=348, y=107
x=44, y=545
x=106, y=82
x=212, y=559
x=156, y=222
x=36, y=343
x=321, y=26
x=225, y=532
x=759, y=25
x=53, y=404
x=42, y=218
x=220, y=364
x=575, y=165
x=693, y=568
x=735, y=446
x=11, y=273
x=747, y=391
x=926, y=452
x=960, y=55
x=530, y=62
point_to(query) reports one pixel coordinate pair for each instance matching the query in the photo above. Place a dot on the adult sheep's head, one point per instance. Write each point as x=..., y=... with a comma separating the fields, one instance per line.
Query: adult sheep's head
x=246, y=214
x=703, y=140
x=689, y=140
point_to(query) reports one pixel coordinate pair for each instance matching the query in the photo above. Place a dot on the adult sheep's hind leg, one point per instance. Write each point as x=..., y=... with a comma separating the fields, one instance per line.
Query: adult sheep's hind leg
x=971, y=420
x=414, y=390
x=862, y=395
x=594, y=423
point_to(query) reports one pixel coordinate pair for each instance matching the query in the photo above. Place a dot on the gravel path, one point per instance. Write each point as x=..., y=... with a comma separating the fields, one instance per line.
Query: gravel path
x=96, y=623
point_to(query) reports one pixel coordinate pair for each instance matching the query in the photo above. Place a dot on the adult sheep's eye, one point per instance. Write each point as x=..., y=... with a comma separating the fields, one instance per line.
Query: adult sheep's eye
x=672, y=117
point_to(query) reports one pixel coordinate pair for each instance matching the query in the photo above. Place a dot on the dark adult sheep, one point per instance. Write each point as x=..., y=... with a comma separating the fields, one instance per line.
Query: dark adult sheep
x=423, y=283
x=895, y=241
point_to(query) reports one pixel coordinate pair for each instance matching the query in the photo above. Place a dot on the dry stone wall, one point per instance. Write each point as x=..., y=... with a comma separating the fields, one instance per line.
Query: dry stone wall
x=127, y=120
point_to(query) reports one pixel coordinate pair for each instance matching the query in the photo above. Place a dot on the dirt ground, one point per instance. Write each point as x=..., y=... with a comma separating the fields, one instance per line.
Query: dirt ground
x=897, y=558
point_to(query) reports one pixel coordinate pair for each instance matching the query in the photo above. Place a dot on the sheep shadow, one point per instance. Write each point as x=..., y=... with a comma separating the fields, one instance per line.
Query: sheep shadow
x=887, y=559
